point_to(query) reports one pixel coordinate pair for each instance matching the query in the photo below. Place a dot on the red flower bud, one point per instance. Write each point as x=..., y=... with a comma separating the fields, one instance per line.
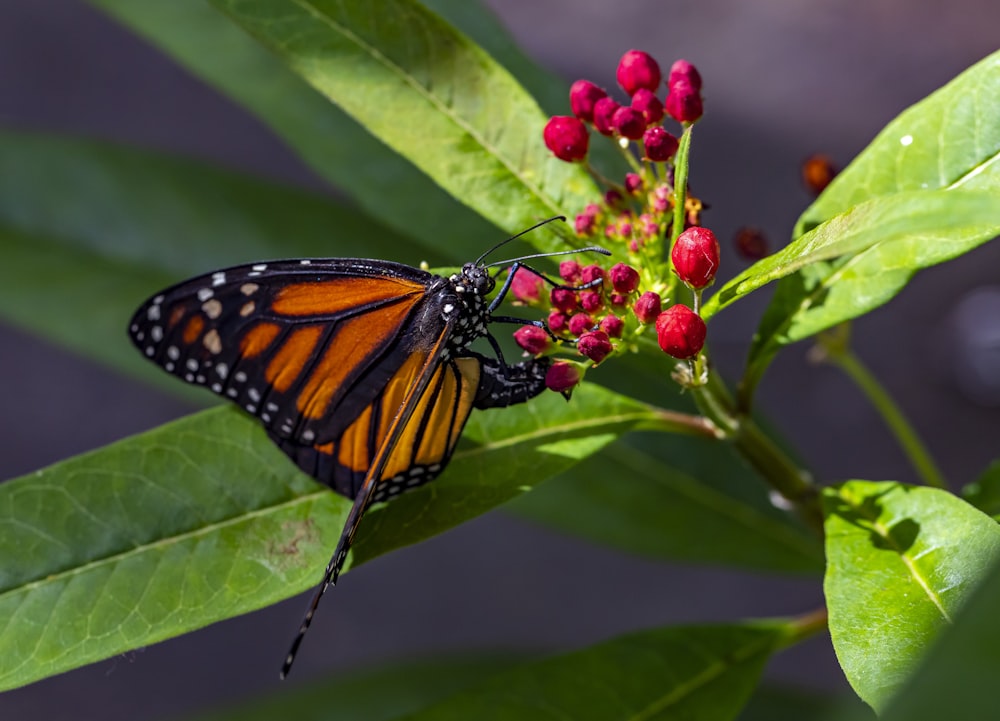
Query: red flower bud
x=590, y=273
x=526, y=286
x=647, y=307
x=604, y=111
x=569, y=270
x=618, y=300
x=633, y=183
x=591, y=301
x=595, y=345
x=563, y=299
x=660, y=145
x=562, y=376
x=751, y=243
x=696, y=256
x=817, y=172
x=583, y=95
x=580, y=323
x=532, y=339
x=557, y=321
x=629, y=123
x=624, y=278
x=566, y=137
x=637, y=70
x=584, y=224
x=683, y=71
x=612, y=198
x=646, y=102
x=680, y=331
x=612, y=325
x=684, y=102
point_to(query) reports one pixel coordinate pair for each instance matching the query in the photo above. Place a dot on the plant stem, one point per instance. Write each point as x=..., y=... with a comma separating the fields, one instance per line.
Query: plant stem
x=900, y=427
x=806, y=626
x=680, y=184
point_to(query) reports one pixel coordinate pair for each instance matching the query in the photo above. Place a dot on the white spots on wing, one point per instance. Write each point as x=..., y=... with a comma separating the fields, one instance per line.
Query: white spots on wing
x=150, y=351
x=249, y=288
x=217, y=387
x=212, y=342
x=156, y=333
x=189, y=377
x=231, y=392
x=212, y=308
x=221, y=369
x=247, y=309
x=158, y=299
x=308, y=436
x=169, y=367
x=153, y=312
x=251, y=408
x=260, y=267
x=218, y=278
x=240, y=377
x=254, y=394
x=273, y=407
x=265, y=417
x=192, y=364
x=448, y=308
x=305, y=262
x=205, y=293
x=173, y=353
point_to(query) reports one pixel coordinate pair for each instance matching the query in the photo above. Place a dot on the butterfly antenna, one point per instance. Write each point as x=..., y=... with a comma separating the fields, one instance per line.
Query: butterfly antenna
x=588, y=249
x=515, y=237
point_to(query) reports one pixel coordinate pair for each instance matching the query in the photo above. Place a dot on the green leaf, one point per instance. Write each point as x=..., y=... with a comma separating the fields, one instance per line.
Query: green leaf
x=901, y=561
x=959, y=680
x=633, y=500
x=379, y=695
x=984, y=492
x=856, y=262
x=502, y=456
x=431, y=95
x=693, y=673
x=205, y=518
x=948, y=140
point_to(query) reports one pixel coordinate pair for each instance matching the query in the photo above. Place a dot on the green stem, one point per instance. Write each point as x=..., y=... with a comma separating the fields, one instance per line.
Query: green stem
x=806, y=626
x=891, y=414
x=680, y=184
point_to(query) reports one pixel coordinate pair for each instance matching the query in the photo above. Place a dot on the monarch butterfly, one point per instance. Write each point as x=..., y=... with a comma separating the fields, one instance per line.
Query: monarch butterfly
x=359, y=370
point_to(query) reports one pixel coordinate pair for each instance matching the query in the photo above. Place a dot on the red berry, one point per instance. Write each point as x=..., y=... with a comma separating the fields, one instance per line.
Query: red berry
x=591, y=301
x=647, y=307
x=604, y=111
x=580, y=324
x=637, y=70
x=680, y=331
x=583, y=95
x=683, y=71
x=562, y=376
x=696, y=256
x=557, y=321
x=569, y=270
x=646, y=102
x=633, y=183
x=684, y=102
x=532, y=339
x=624, y=278
x=526, y=286
x=566, y=137
x=584, y=224
x=660, y=145
x=590, y=273
x=613, y=326
x=751, y=243
x=595, y=345
x=629, y=123
x=563, y=299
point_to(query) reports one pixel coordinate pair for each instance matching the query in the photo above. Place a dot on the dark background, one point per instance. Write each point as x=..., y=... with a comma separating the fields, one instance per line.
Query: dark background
x=781, y=81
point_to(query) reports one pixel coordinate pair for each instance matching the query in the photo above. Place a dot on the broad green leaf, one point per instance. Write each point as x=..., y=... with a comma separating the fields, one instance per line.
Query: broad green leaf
x=377, y=695
x=633, y=500
x=205, y=518
x=948, y=140
x=690, y=673
x=856, y=262
x=984, y=492
x=89, y=230
x=503, y=455
x=901, y=561
x=959, y=679
x=430, y=94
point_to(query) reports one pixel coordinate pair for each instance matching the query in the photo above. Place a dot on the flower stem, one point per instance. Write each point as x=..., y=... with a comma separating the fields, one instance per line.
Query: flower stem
x=806, y=626
x=680, y=184
x=905, y=434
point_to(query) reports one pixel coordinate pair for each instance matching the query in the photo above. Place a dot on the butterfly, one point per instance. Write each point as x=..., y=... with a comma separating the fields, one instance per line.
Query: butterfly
x=359, y=370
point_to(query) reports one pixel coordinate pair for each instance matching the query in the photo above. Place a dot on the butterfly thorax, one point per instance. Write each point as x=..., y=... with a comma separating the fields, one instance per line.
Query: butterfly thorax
x=461, y=300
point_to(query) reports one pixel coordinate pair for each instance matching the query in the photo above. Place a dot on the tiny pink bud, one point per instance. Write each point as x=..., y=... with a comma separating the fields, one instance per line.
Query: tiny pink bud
x=590, y=273
x=613, y=326
x=591, y=301
x=569, y=270
x=613, y=198
x=558, y=321
x=629, y=123
x=751, y=243
x=580, y=323
x=661, y=198
x=683, y=71
x=526, y=286
x=659, y=144
x=562, y=376
x=595, y=345
x=618, y=300
x=680, y=331
x=624, y=278
x=532, y=339
x=684, y=102
x=566, y=137
x=583, y=95
x=646, y=102
x=637, y=70
x=647, y=307
x=604, y=111
x=584, y=224
x=696, y=256
x=633, y=183
x=563, y=299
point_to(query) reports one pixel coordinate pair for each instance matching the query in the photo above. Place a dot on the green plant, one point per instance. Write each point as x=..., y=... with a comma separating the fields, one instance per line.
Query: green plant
x=203, y=519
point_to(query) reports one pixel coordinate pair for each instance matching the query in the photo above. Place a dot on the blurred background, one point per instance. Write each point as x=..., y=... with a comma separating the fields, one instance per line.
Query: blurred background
x=782, y=80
